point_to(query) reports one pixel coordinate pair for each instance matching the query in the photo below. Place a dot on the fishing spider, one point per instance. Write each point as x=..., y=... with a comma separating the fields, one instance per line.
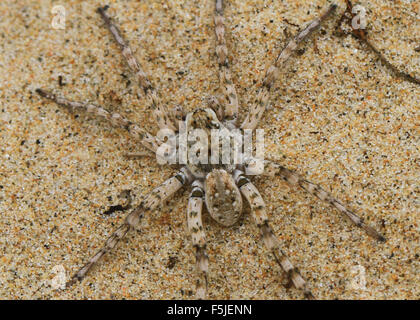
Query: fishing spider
x=220, y=187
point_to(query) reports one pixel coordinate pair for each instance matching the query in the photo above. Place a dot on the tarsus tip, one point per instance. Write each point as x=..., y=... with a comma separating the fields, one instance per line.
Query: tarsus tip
x=309, y=296
x=102, y=9
x=41, y=92
x=381, y=238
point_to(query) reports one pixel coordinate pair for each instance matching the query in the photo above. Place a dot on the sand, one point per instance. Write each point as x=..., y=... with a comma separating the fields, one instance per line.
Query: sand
x=337, y=116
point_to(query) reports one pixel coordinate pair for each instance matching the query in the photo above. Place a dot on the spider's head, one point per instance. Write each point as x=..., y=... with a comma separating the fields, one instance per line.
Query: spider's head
x=223, y=199
x=199, y=126
x=204, y=119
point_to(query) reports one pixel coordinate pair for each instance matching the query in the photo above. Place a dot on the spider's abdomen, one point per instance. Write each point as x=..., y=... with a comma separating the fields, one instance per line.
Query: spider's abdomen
x=223, y=199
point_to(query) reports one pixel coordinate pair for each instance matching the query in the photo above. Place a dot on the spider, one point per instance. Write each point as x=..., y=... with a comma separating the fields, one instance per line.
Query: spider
x=219, y=187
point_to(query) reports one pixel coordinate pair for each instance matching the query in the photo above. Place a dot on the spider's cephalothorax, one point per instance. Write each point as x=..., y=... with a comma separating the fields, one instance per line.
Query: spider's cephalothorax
x=222, y=197
x=209, y=143
x=199, y=126
x=220, y=185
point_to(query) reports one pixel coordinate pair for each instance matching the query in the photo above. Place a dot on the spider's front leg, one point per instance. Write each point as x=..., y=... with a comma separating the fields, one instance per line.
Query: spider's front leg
x=195, y=228
x=146, y=139
x=225, y=76
x=293, y=178
x=150, y=203
x=162, y=115
x=213, y=102
x=256, y=202
x=257, y=109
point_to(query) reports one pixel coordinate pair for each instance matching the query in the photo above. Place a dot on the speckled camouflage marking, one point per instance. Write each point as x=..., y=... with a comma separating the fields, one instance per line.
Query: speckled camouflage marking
x=200, y=119
x=195, y=228
x=214, y=103
x=178, y=115
x=256, y=202
x=146, y=139
x=223, y=199
x=161, y=112
x=293, y=178
x=150, y=202
x=232, y=107
x=257, y=109
x=221, y=186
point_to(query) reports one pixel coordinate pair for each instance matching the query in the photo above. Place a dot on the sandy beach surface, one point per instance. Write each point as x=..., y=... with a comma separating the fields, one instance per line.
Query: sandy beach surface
x=337, y=116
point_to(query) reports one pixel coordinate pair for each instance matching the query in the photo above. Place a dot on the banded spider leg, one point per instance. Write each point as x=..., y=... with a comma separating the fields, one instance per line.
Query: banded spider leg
x=146, y=139
x=164, y=117
x=150, y=203
x=232, y=107
x=195, y=228
x=258, y=211
x=294, y=179
x=257, y=109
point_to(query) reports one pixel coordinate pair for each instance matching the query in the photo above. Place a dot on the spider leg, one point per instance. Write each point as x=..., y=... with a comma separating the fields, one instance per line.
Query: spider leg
x=178, y=114
x=195, y=227
x=294, y=179
x=256, y=202
x=214, y=103
x=150, y=203
x=138, y=155
x=147, y=140
x=257, y=109
x=232, y=107
x=161, y=112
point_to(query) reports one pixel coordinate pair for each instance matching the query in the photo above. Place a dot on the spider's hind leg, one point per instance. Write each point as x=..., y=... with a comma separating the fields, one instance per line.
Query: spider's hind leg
x=195, y=227
x=294, y=179
x=259, y=214
x=150, y=202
